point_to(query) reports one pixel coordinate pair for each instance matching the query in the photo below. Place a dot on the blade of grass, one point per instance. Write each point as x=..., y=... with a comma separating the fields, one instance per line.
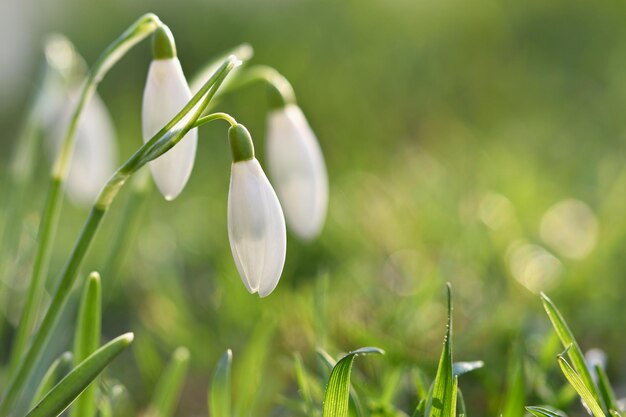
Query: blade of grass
x=443, y=400
x=569, y=343
x=303, y=384
x=219, y=393
x=515, y=396
x=576, y=381
x=52, y=376
x=87, y=340
x=543, y=412
x=66, y=391
x=168, y=389
x=329, y=363
x=606, y=390
x=338, y=387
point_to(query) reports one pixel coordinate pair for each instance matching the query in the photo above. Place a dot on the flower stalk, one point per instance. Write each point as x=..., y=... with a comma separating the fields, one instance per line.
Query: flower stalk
x=142, y=28
x=160, y=143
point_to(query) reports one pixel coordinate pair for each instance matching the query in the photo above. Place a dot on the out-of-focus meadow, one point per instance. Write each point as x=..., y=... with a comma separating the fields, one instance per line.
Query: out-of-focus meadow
x=480, y=143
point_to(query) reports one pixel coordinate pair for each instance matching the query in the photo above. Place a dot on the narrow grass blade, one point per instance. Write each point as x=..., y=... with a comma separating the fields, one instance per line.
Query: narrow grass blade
x=219, y=393
x=569, y=343
x=250, y=367
x=338, y=387
x=460, y=368
x=606, y=390
x=455, y=396
x=52, y=376
x=169, y=386
x=576, y=381
x=443, y=399
x=66, y=391
x=543, y=412
x=303, y=384
x=329, y=363
x=87, y=340
x=515, y=396
x=419, y=410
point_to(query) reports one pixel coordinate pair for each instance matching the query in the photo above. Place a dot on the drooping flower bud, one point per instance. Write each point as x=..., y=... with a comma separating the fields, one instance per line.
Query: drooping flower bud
x=95, y=146
x=297, y=168
x=256, y=226
x=165, y=94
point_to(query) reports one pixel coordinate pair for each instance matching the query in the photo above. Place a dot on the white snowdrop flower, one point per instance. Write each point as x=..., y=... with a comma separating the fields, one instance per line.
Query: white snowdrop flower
x=256, y=226
x=297, y=168
x=95, y=148
x=165, y=94
x=95, y=152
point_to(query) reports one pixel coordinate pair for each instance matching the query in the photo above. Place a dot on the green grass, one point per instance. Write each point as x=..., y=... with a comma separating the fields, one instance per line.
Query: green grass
x=448, y=131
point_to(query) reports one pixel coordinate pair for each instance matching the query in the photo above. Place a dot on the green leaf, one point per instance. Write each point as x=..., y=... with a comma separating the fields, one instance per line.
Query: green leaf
x=87, y=340
x=66, y=391
x=576, y=381
x=329, y=363
x=168, y=389
x=52, y=376
x=543, y=412
x=515, y=396
x=569, y=343
x=219, y=394
x=460, y=368
x=249, y=370
x=338, y=387
x=442, y=403
x=304, y=387
x=606, y=391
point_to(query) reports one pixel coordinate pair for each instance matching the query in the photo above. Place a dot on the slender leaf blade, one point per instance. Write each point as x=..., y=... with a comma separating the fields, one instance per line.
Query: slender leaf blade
x=52, y=376
x=515, y=396
x=87, y=340
x=337, y=393
x=576, y=381
x=66, y=391
x=219, y=393
x=170, y=384
x=606, y=390
x=443, y=399
x=569, y=342
x=543, y=412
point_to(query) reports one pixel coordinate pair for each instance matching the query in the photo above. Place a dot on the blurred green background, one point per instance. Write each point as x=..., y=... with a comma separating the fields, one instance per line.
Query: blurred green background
x=450, y=130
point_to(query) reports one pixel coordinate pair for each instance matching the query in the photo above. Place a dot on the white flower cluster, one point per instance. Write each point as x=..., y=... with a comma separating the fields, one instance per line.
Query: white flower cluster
x=256, y=226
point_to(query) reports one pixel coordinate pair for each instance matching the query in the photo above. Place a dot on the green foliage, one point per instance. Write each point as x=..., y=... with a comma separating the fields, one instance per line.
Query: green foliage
x=74, y=383
x=220, y=390
x=442, y=402
x=168, y=389
x=338, y=387
x=87, y=341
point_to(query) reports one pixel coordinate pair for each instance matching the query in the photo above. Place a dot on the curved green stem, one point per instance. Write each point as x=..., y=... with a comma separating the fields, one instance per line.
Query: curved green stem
x=215, y=116
x=47, y=228
x=160, y=143
x=280, y=90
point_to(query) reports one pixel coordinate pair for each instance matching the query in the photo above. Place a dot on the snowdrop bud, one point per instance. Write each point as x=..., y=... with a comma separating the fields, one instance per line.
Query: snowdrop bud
x=95, y=146
x=166, y=93
x=95, y=153
x=256, y=226
x=297, y=168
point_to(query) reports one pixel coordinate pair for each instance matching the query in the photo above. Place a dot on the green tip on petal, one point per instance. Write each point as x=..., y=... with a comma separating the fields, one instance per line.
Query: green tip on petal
x=241, y=144
x=163, y=45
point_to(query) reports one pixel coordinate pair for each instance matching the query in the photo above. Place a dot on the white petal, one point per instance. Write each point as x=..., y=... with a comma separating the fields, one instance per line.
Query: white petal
x=298, y=171
x=95, y=153
x=95, y=149
x=256, y=228
x=166, y=93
